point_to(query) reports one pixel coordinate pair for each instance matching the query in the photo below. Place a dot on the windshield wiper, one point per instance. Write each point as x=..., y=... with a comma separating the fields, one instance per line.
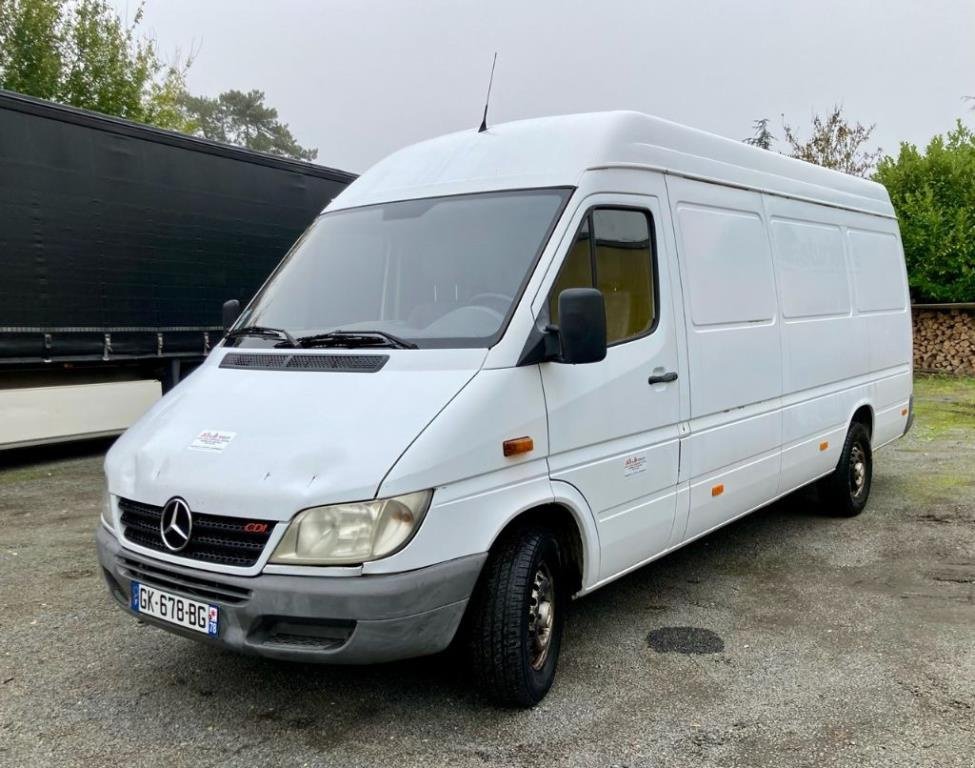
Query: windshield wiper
x=355, y=339
x=262, y=330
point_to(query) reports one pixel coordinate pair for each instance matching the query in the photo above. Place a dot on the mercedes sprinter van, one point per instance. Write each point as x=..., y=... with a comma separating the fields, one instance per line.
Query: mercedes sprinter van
x=501, y=370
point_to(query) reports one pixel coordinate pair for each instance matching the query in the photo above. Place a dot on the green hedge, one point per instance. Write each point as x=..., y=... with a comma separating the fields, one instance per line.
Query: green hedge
x=934, y=195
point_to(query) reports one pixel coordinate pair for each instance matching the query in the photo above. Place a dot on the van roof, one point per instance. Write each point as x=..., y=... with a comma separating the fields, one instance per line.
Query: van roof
x=557, y=151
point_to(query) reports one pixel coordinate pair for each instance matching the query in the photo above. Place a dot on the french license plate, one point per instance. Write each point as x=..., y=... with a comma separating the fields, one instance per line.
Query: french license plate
x=181, y=611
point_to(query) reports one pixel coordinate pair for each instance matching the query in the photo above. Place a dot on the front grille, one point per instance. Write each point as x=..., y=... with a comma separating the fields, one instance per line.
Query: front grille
x=214, y=539
x=192, y=586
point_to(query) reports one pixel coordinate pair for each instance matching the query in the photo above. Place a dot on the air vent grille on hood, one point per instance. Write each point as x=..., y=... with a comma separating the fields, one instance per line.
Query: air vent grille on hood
x=305, y=362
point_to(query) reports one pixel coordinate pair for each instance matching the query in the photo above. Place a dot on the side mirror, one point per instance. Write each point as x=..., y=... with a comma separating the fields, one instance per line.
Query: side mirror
x=231, y=311
x=582, y=326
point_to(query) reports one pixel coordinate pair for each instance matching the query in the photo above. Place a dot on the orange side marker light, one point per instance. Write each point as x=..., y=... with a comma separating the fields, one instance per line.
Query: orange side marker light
x=717, y=490
x=824, y=445
x=903, y=411
x=517, y=445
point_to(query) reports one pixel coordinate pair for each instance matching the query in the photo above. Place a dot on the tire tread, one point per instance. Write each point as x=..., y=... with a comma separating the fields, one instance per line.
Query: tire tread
x=834, y=492
x=497, y=612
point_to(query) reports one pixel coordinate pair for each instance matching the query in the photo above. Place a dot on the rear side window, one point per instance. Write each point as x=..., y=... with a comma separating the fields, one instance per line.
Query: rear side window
x=729, y=265
x=613, y=251
x=811, y=269
x=877, y=273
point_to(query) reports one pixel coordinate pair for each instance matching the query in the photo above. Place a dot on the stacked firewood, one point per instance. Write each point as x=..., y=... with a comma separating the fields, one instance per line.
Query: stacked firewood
x=944, y=340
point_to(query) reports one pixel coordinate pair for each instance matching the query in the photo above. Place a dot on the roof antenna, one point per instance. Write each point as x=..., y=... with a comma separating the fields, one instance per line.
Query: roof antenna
x=487, y=101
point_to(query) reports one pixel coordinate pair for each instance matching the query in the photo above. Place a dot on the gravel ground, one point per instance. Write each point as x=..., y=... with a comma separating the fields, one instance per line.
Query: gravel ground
x=785, y=639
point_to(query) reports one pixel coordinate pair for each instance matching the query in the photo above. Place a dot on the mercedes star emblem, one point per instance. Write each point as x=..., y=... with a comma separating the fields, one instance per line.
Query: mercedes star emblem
x=176, y=524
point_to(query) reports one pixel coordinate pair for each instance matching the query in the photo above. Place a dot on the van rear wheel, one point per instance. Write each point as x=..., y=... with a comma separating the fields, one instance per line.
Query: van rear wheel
x=516, y=617
x=846, y=490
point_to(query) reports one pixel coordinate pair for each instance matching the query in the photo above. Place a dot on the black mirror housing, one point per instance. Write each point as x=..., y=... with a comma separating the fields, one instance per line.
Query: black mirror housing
x=231, y=311
x=582, y=326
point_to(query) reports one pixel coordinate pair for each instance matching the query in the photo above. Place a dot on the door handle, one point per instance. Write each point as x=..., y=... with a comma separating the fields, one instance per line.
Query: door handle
x=663, y=378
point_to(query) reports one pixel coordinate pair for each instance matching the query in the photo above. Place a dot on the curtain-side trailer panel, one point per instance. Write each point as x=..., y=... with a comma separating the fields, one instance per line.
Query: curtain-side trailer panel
x=118, y=244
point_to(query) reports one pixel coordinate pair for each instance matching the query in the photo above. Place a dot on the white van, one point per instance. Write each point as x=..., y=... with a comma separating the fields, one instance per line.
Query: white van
x=501, y=370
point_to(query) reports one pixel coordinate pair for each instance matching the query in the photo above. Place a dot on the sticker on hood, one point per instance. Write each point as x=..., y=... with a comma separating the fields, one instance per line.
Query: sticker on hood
x=212, y=440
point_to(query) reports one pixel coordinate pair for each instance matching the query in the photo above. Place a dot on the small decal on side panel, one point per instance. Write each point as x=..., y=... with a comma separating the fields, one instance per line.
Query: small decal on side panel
x=212, y=440
x=633, y=465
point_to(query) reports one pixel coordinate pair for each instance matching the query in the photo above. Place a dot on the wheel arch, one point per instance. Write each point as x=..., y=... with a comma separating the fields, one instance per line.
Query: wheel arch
x=568, y=514
x=862, y=414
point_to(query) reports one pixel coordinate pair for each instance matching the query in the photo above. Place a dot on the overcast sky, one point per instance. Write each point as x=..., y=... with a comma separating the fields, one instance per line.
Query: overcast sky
x=361, y=78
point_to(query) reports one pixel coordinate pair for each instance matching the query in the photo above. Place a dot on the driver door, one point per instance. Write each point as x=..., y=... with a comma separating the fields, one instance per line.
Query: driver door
x=613, y=425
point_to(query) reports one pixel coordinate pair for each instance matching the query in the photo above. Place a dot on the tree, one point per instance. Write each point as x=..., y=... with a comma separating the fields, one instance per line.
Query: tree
x=835, y=143
x=81, y=53
x=933, y=193
x=762, y=138
x=243, y=118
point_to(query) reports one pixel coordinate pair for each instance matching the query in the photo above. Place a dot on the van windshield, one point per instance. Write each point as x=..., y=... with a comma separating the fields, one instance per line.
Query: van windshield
x=435, y=272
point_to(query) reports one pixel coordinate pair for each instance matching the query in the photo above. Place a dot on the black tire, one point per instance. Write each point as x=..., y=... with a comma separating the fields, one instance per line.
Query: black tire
x=506, y=624
x=844, y=493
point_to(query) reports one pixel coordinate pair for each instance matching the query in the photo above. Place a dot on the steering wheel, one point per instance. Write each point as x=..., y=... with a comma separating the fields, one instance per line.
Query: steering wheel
x=496, y=302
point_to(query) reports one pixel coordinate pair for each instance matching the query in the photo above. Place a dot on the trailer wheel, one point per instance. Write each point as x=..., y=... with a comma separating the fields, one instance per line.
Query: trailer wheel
x=846, y=490
x=517, y=615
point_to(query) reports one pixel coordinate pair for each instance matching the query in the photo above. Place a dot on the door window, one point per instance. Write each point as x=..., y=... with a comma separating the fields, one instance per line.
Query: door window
x=614, y=252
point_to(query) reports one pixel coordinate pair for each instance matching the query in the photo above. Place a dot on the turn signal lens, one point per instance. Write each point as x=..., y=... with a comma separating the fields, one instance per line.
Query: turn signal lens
x=348, y=534
x=517, y=445
x=824, y=445
x=717, y=490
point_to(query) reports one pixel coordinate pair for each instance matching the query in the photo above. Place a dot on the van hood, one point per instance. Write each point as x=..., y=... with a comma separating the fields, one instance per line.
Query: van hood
x=279, y=441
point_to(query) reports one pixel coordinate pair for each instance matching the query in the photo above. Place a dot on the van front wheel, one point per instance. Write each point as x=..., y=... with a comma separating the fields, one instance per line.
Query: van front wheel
x=516, y=618
x=845, y=492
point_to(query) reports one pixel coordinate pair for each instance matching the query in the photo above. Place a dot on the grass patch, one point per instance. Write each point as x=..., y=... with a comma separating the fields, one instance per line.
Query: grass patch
x=943, y=404
x=923, y=489
x=24, y=474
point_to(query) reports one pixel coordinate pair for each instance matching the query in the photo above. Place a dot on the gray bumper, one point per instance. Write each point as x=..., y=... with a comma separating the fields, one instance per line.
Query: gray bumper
x=339, y=620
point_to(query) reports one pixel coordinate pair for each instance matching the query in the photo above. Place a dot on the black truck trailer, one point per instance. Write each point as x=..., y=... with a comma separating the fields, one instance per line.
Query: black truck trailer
x=118, y=245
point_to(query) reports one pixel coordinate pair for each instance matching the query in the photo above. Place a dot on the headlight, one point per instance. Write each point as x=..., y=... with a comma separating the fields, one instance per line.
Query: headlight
x=108, y=517
x=344, y=534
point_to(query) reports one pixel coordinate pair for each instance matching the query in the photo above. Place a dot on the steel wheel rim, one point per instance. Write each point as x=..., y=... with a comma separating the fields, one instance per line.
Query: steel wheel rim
x=858, y=470
x=541, y=616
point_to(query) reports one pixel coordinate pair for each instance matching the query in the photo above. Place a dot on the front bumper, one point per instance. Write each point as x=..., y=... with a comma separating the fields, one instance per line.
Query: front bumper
x=339, y=620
